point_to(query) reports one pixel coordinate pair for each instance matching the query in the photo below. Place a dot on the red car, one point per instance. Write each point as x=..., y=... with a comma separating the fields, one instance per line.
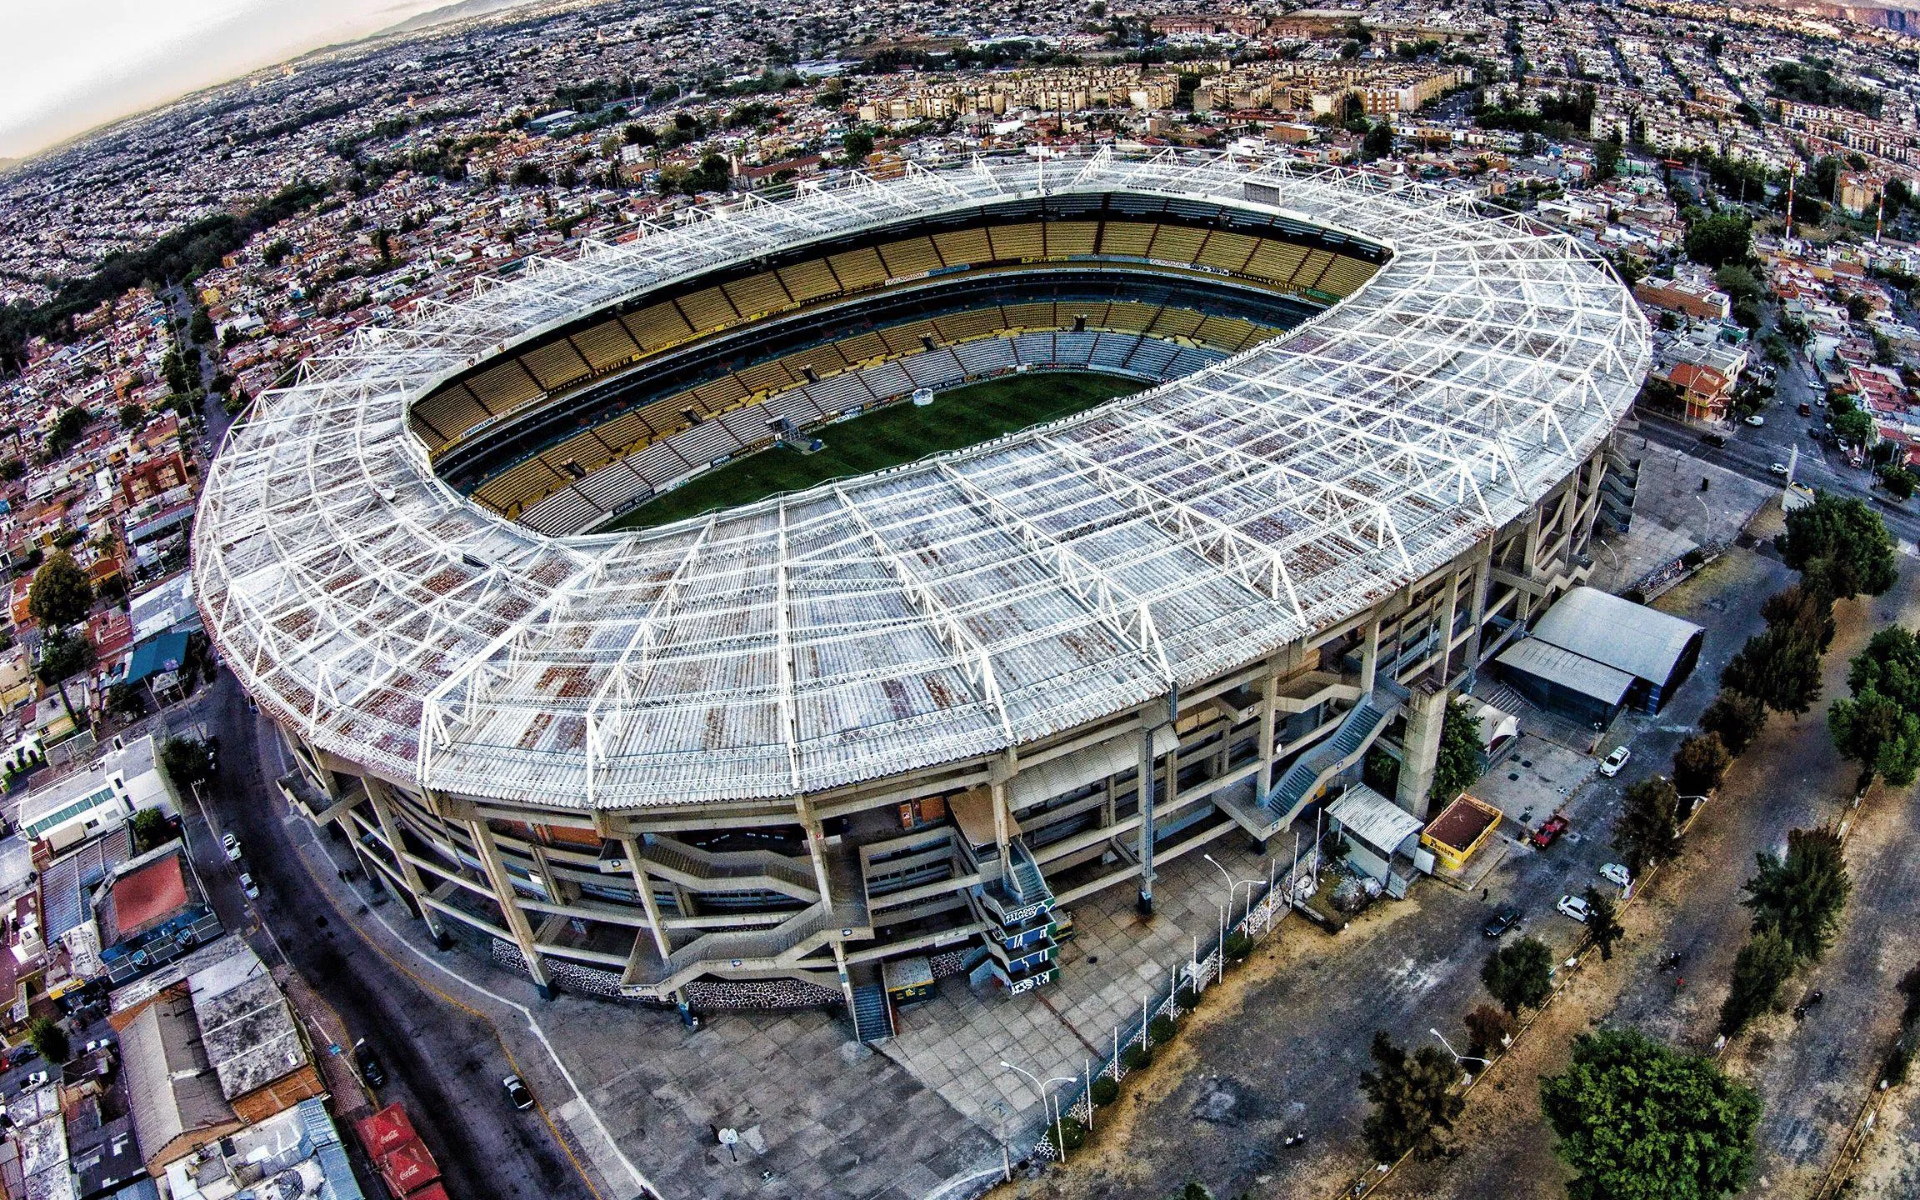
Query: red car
x=1550, y=829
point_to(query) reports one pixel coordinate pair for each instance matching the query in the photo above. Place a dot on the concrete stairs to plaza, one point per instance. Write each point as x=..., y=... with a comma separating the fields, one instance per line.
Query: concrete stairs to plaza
x=1309, y=773
x=872, y=1012
x=731, y=871
x=777, y=949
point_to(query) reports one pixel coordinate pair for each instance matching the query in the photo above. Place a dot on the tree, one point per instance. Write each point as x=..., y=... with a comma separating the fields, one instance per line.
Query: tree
x=1519, y=975
x=1802, y=895
x=49, y=1039
x=1488, y=1030
x=1378, y=143
x=1606, y=160
x=185, y=761
x=1639, y=1121
x=857, y=145
x=1780, y=667
x=1699, y=763
x=1414, y=1104
x=1899, y=482
x=1879, y=726
x=62, y=656
x=1736, y=717
x=60, y=595
x=1803, y=609
x=149, y=829
x=1850, y=425
x=1647, y=831
x=126, y=701
x=132, y=416
x=1721, y=238
x=1458, y=761
x=1840, y=546
x=1760, y=970
x=1603, y=922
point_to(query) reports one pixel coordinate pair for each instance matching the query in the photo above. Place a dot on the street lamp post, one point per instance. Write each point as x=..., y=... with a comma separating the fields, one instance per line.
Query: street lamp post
x=1049, y=1109
x=1457, y=1056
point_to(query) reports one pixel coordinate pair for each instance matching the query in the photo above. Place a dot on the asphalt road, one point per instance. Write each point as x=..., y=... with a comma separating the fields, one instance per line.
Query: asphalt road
x=444, y=1065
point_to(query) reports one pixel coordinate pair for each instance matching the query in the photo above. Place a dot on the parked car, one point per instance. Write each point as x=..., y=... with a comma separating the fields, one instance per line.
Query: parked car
x=1756, y=420
x=1575, y=907
x=370, y=1068
x=517, y=1093
x=1714, y=439
x=1806, y=410
x=1617, y=874
x=248, y=886
x=1778, y=469
x=1550, y=829
x=1611, y=764
x=1501, y=921
x=231, y=844
x=37, y=1079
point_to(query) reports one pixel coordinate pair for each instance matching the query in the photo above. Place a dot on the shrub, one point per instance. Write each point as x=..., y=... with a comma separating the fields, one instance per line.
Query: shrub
x=1899, y=1061
x=1134, y=1058
x=1487, y=1029
x=1238, y=946
x=1104, y=1091
x=1072, y=1133
x=49, y=1039
x=1160, y=1030
x=1700, y=763
x=1187, y=999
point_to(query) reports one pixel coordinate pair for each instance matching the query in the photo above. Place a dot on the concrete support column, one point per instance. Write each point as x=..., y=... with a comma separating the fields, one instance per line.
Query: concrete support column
x=1426, y=711
x=516, y=917
x=643, y=883
x=1145, y=777
x=1482, y=577
x=390, y=830
x=1449, y=613
x=816, y=848
x=1370, y=654
x=1269, y=701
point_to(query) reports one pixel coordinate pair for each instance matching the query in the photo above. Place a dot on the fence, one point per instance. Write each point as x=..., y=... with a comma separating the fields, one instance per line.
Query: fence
x=1262, y=917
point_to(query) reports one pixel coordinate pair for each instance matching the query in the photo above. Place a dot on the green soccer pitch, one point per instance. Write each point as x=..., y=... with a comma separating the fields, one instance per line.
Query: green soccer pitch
x=898, y=433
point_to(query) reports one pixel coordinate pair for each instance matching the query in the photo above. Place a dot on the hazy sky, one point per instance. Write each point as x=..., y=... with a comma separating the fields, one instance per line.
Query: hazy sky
x=68, y=65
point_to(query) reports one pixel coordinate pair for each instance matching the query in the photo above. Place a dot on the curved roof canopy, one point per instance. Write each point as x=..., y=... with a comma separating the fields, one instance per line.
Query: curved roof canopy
x=927, y=614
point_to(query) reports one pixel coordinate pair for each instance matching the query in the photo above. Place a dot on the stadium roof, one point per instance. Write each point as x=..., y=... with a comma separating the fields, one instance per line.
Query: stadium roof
x=933, y=612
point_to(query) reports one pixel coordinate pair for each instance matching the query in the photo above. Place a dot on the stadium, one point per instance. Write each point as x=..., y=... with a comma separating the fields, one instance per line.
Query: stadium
x=745, y=755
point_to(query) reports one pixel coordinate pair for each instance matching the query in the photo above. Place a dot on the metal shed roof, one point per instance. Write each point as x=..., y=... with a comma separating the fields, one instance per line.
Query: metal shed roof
x=1643, y=642
x=1544, y=660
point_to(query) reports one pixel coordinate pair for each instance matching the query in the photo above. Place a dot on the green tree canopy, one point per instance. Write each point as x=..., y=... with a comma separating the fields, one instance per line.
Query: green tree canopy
x=49, y=1039
x=1802, y=895
x=1414, y=1104
x=1639, y=1121
x=1603, y=921
x=1647, y=831
x=1699, y=764
x=1458, y=763
x=1879, y=726
x=1721, y=238
x=1780, y=667
x=1378, y=143
x=1736, y=717
x=1760, y=970
x=60, y=595
x=1840, y=547
x=1519, y=975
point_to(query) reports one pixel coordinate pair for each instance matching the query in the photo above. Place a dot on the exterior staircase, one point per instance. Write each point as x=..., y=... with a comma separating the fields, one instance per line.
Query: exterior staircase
x=734, y=871
x=775, y=949
x=1302, y=782
x=872, y=1011
x=1017, y=909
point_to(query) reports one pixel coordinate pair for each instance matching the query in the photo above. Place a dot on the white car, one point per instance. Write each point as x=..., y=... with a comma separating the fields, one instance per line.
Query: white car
x=1611, y=764
x=248, y=886
x=1756, y=420
x=37, y=1079
x=1617, y=874
x=231, y=845
x=1575, y=907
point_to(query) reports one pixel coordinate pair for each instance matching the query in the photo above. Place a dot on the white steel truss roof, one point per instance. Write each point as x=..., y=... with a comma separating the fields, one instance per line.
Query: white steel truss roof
x=929, y=613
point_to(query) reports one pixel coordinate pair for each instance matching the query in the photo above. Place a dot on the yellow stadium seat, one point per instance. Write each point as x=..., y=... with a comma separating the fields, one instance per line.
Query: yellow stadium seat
x=722, y=394
x=758, y=294
x=1309, y=273
x=1175, y=322
x=658, y=326
x=707, y=309
x=1130, y=316
x=1226, y=251
x=1072, y=237
x=809, y=280
x=914, y=256
x=555, y=365
x=1014, y=242
x=1276, y=260
x=858, y=269
x=625, y=432
x=606, y=345
x=1345, y=276
x=1176, y=244
x=764, y=377
x=963, y=246
x=960, y=327
x=504, y=387
x=1126, y=239
x=905, y=339
x=1030, y=316
x=862, y=347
